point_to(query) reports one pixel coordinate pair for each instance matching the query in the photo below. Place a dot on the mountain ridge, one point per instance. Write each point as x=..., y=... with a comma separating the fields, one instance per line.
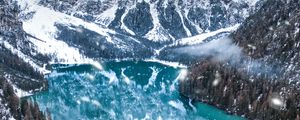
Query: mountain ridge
x=36, y=33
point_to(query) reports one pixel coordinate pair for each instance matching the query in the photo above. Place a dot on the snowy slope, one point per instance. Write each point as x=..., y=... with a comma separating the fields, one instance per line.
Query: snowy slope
x=192, y=17
x=199, y=38
x=42, y=27
x=43, y=19
x=158, y=33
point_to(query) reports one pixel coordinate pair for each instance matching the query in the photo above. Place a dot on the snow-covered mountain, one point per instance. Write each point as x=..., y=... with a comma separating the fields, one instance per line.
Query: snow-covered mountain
x=40, y=32
x=92, y=30
x=35, y=33
x=122, y=29
x=158, y=20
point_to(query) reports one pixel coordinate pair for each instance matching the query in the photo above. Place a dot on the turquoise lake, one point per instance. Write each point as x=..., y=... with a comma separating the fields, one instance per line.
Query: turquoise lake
x=123, y=90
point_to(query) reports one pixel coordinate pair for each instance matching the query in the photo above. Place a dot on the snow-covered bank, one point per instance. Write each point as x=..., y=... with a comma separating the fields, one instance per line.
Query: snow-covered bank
x=199, y=38
x=168, y=63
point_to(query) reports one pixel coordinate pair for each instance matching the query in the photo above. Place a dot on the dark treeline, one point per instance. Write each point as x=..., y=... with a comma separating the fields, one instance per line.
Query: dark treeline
x=233, y=90
x=27, y=111
x=14, y=70
x=271, y=35
x=14, y=62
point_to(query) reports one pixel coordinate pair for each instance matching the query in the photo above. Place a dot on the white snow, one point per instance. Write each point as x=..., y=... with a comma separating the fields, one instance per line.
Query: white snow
x=96, y=65
x=217, y=79
x=61, y=51
x=165, y=3
x=152, y=79
x=178, y=105
x=123, y=26
x=182, y=20
x=183, y=74
x=20, y=93
x=199, y=30
x=125, y=78
x=85, y=99
x=42, y=26
x=11, y=118
x=107, y=16
x=277, y=101
x=157, y=51
x=296, y=31
x=96, y=103
x=252, y=2
x=111, y=76
x=199, y=38
x=157, y=33
x=26, y=58
x=192, y=106
x=89, y=76
x=168, y=63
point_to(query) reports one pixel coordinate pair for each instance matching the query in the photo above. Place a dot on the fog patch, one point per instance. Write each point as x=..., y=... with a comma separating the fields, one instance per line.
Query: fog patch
x=224, y=50
x=221, y=50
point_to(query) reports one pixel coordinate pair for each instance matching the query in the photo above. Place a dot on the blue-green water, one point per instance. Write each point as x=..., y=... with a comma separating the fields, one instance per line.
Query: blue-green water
x=123, y=90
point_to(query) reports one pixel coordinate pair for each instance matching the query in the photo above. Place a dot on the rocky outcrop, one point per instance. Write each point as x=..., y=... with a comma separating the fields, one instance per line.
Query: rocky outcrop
x=139, y=20
x=269, y=36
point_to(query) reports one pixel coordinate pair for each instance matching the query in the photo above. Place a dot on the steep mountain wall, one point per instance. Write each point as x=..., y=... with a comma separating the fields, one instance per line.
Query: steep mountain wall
x=159, y=20
x=272, y=35
x=269, y=37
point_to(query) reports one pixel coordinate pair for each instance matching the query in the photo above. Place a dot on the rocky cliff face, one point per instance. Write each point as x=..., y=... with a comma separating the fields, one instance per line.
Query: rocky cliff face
x=158, y=20
x=111, y=29
x=270, y=36
x=93, y=30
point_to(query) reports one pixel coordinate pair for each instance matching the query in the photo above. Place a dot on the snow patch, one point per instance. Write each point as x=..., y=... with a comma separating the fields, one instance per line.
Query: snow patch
x=123, y=26
x=19, y=92
x=96, y=103
x=252, y=2
x=61, y=51
x=199, y=38
x=85, y=99
x=168, y=63
x=107, y=16
x=157, y=33
x=183, y=74
x=42, y=26
x=199, y=30
x=111, y=76
x=188, y=32
x=152, y=79
x=125, y=78
x=178, y=105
